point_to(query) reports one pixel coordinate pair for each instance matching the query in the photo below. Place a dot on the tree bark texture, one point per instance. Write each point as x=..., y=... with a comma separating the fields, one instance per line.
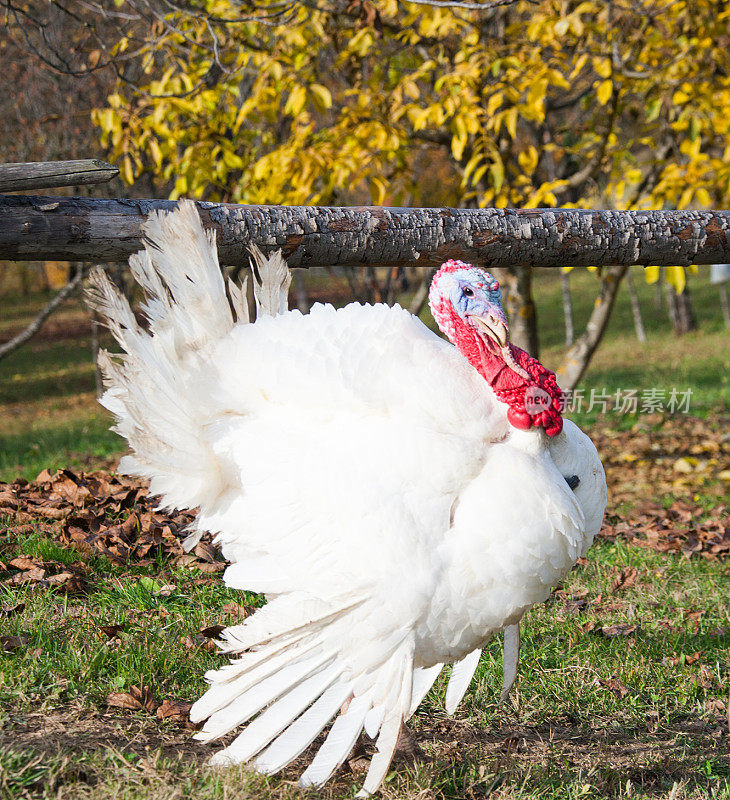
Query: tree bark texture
x=34, y=175
x=81, y=229
x=579, y=355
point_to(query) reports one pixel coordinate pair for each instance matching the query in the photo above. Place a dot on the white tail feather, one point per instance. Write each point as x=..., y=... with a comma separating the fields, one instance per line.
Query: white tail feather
x=510, y=659
x=233, y=680
x=238, y=295
x=261, y=694
x=265, y=626
x=338, y=744
x=423, y=680
x=271, y=287
x=373, y=720
x=268, y=725
x=461, y=674
x=154, y=388
x=397, y=705
x=303, y=731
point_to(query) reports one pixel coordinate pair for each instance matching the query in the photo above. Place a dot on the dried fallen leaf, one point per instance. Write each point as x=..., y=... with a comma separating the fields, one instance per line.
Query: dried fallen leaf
x=11, y=610
x=25, y=562
x=715, y=706
x=174, y=710
x=623, y=578
x=589, y=627
x=136, y=698
x=123, y=700
x=206, y=551
x=615, y=685
x=34, y=575
x=622, y=629
x=212, y=631
x=200, y=642
x=68, y=582
x=237, y=610
x=100, y=513
x=112, y=631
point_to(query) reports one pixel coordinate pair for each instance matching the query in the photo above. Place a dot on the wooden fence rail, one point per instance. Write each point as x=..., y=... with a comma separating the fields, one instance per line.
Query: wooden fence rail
x=29, y=176
x=81, y=229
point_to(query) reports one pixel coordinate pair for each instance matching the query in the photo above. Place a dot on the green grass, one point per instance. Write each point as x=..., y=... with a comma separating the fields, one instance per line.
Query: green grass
x=68, y=658
x=575, y=737
x=75, y=444
x=566, y=733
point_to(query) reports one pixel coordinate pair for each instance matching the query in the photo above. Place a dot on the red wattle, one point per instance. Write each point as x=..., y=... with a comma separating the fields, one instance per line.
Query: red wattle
x=519, y=419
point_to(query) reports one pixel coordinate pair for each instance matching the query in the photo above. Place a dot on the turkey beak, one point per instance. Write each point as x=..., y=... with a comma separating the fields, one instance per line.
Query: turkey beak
x=494, y=327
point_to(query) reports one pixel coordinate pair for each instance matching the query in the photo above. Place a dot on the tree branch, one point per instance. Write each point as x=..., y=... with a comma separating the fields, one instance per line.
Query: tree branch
x=29, y=332
x=465, y=5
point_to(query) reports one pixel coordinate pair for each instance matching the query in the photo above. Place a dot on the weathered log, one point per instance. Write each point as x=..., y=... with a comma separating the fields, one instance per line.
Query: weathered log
x=34, y=175
x=81, y=229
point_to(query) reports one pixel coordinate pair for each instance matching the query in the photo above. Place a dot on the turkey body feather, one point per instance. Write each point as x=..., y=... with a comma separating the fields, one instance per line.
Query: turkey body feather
x=358, y=471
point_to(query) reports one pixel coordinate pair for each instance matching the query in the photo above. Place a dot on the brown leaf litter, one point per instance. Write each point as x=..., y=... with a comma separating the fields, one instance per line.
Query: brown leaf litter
x=141, y=698
x=97, y=513
x=678, y=456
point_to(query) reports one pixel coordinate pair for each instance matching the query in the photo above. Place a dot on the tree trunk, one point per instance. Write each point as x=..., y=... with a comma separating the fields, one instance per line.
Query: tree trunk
x=82, y=229
x=685, y=315
x=672, y=310
x=724, y=304
x=635, y=308
x=658, y=294
x=567, y=309
x=679, y=307
x=421, y=295
x=300, y=289
x=579, y=355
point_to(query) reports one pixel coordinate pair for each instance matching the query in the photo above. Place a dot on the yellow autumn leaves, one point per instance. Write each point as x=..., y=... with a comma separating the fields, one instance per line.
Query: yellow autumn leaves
x=532, y=104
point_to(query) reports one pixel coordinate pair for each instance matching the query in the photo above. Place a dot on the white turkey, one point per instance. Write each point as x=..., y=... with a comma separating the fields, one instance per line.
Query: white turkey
x=398, y=499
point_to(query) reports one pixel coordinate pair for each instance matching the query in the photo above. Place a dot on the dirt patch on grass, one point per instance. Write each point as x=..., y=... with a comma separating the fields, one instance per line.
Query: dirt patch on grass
x=72, y=731
x=463, y=759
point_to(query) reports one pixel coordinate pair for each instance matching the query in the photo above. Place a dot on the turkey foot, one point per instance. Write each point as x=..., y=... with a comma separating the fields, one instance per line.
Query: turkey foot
x=407, y=748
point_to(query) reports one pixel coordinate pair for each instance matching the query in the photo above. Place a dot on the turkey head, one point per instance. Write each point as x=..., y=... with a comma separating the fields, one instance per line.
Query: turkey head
x=466, y=303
